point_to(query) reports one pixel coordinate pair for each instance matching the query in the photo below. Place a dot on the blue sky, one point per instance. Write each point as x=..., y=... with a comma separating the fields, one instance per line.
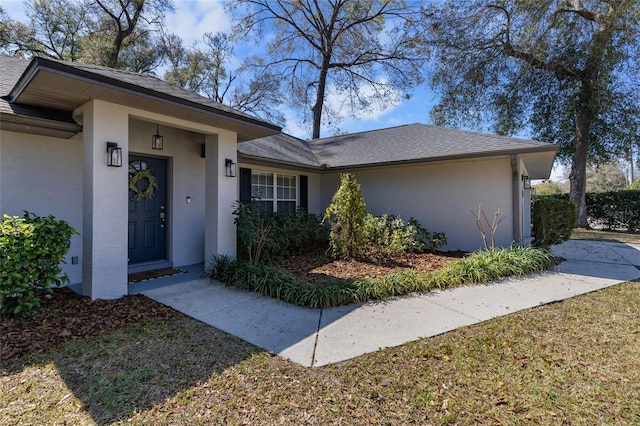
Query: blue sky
x=192, y=18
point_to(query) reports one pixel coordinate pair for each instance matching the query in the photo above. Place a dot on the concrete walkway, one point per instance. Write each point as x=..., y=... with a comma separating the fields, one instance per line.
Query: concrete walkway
x=317, y=337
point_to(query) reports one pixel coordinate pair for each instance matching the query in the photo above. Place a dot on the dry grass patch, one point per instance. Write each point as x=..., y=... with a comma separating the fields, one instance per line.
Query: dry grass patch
x=597, y=235
x=574, y=362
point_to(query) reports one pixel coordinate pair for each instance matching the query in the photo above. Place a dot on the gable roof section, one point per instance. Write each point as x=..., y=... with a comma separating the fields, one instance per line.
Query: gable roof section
x=282, y=149
x=60, y=85
x=407, y=144
x=25, y=118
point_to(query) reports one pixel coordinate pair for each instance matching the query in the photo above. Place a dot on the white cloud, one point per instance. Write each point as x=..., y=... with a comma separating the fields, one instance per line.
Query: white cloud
x=193, y=18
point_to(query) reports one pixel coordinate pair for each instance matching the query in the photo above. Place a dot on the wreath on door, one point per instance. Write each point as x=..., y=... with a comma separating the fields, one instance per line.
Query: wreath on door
x=148, y=191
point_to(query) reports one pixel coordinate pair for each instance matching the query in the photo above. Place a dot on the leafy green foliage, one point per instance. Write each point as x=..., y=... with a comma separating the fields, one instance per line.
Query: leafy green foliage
x=31, y=251
x=389, y=235
x=553, y=219
x=478, y=268
x=563, y=72
x=615, y=209
x=634, y=186
x=547, y=188
x=347, y=216
x=275, y=235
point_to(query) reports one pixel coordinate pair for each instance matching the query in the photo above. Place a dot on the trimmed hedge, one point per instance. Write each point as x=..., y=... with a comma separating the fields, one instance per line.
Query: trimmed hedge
x=554, y=218
x=615, y=209
x=31, y=251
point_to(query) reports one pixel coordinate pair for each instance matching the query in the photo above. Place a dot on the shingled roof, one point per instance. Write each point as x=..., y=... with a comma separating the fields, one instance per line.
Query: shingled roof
x=18, y=98
x=410, y=143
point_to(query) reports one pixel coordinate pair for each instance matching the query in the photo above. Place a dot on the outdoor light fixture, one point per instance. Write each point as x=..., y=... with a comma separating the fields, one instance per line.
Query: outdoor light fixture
x=157, y=141
x=230, y=167
x=526, y=181
x=114, y=155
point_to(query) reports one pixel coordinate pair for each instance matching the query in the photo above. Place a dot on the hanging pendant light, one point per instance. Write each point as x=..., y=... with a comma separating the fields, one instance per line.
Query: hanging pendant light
x=157, y=141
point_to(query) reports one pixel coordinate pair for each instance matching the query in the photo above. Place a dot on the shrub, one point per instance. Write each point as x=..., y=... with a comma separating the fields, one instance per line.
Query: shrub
x=615, y=209
x=275, y=235
x=347, y=216
x=634, y=186
x=31, y=251
x=553, y=219
x=389, y=235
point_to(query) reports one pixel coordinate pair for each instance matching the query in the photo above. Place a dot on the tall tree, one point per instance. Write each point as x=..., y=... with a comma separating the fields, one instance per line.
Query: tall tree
x=339, y=46
x=207, y=68
x=116, y=33
x=564, y=71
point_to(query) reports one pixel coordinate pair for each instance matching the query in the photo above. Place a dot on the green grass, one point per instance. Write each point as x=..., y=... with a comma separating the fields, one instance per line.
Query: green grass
x=477, y=268
x=595, y=235
x=574, y=362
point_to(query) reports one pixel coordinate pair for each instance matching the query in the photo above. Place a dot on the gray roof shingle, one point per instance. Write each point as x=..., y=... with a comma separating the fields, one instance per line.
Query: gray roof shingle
x=403, y=144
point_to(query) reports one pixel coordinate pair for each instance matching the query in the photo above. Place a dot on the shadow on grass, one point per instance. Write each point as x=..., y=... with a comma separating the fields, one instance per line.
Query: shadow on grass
x=134, y=368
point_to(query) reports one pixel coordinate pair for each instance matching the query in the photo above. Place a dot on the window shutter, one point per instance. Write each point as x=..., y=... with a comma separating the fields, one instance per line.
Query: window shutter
x=245, y=185
x=304, y=192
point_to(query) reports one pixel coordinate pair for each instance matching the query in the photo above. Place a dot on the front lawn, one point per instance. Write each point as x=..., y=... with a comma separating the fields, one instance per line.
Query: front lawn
x=573, y=362
x=597, y=235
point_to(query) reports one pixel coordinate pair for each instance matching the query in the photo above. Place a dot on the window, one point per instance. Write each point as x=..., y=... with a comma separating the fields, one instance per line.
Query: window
x=275, y=192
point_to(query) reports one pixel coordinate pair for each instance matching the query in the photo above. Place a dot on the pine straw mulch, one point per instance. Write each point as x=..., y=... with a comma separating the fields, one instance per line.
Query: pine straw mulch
x=64, y=315
x=315, y=267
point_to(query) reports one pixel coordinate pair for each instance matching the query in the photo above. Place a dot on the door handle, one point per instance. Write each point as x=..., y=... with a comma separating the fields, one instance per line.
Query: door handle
x=163, y=217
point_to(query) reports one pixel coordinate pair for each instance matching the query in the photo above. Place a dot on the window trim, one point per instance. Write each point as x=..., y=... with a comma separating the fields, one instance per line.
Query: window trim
x=274, y=186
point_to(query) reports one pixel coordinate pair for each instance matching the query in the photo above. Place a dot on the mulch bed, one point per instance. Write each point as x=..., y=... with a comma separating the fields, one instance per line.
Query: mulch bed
x=65, y=315
x=317, y=268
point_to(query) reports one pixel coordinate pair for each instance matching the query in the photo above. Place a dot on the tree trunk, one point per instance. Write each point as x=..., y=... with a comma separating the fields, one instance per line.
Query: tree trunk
x=578, y=176
x=317, y=107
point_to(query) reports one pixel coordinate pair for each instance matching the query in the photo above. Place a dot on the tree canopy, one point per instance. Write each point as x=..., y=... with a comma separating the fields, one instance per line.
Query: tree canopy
x=122, y=34
x=562, y=71
x=334, y=47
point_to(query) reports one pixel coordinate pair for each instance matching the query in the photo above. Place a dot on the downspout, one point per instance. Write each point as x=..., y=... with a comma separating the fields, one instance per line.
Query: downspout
x=515, y=203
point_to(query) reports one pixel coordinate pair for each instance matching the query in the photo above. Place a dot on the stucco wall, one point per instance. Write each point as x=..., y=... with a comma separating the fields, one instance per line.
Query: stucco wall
x=44, y=175
x=441, y=196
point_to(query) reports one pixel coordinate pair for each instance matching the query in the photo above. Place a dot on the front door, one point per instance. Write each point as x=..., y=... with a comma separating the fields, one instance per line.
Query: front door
x=147, y=209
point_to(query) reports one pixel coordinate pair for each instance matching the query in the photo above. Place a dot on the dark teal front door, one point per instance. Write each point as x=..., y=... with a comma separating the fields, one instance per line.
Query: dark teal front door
x=147, y=209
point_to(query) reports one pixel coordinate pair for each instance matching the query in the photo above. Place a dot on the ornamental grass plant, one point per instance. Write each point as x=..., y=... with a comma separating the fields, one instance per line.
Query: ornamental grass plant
x=478, y=268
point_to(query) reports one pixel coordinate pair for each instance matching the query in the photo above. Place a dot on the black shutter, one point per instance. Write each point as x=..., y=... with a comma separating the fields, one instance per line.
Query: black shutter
x=304, y=192
x=245, y=185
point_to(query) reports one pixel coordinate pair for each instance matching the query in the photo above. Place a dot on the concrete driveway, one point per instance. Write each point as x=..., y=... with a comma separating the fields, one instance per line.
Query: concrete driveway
x=317, y=337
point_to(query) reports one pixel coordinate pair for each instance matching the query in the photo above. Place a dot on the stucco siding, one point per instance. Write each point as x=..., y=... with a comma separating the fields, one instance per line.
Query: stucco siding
x=441, y=196
x=44, y=176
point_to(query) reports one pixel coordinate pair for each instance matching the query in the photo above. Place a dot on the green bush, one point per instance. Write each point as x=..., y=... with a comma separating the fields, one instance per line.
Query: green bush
x=478, y=268
x=31, y=251
x=554, y=218
x=634, y=186
x=275, y=235
x=389, y=235
x=615, y=209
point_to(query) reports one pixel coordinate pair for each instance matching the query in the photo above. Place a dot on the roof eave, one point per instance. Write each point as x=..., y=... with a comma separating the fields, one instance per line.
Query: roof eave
x=546, y=148
x=38, y=126
x=272, y=161
x=44, y=64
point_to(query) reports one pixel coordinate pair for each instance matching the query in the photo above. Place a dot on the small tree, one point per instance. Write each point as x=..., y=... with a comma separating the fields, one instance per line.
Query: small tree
x=347, y=215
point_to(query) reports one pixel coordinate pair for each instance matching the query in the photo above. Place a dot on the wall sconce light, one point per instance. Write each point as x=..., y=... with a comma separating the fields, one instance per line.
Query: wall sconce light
x=230, y=167
x=157, y=141
x=114, y=155
x=526, y=182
